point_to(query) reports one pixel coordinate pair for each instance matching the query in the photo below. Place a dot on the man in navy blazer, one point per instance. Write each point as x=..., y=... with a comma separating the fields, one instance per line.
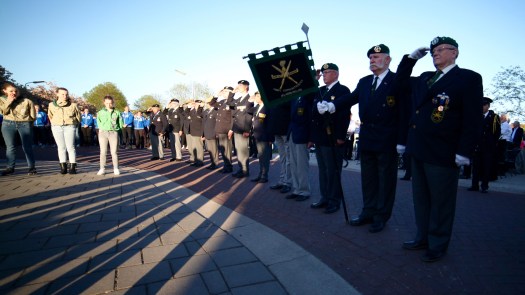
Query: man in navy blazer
x=446, y=115
x=328, y=133
x=378, y=111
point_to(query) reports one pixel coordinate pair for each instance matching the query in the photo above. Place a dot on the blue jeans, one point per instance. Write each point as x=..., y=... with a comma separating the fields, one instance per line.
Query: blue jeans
x=65, y=140
x=25, y=129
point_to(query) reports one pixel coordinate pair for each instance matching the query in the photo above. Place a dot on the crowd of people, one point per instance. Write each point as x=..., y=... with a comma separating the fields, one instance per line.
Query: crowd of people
x=439, y=121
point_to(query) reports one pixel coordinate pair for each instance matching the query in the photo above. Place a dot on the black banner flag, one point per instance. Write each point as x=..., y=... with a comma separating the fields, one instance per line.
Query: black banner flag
x=285, y=75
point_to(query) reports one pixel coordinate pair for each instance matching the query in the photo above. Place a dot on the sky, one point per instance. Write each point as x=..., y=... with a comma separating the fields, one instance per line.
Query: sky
x=139, y=45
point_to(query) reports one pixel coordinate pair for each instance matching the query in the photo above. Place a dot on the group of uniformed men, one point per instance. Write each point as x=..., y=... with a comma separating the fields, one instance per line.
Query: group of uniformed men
x=436, y=118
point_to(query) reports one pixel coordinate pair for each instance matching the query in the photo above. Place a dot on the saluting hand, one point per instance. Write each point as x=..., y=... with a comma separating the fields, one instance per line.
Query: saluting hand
x=419, y=53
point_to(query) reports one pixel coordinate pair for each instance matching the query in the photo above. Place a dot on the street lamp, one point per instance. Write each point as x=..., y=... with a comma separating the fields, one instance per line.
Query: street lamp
x=192, y=84
x=34, y=82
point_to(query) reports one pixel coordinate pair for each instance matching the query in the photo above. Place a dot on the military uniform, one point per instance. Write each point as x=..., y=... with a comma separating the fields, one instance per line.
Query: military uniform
x=223, y=124
x=175, y=126
x=443, y=128
x=326, y=129
x=263, y=140
x=485, y=153
x=196, y=133
x=209, y=121
x=158, y=126
x=378, y=111
x=242, y=123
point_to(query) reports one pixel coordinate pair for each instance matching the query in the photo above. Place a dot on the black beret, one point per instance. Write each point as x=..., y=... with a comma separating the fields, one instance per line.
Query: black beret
x=174, y=100
x=244, y=82
x=198, y=100
x=381, y=48
x=155, y=106
x=486, y=100
x=329, y=66
x=442, y=40
x=228, y=87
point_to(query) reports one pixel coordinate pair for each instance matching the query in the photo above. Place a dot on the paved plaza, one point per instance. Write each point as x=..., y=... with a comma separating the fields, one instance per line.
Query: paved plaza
x=167, y=228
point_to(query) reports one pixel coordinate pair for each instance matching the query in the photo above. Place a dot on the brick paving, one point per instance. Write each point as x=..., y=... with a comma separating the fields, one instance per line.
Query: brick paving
x=485, y=256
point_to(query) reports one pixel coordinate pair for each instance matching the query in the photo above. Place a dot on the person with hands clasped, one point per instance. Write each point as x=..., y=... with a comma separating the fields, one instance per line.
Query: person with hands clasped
x=328, y=133
x=444, y=126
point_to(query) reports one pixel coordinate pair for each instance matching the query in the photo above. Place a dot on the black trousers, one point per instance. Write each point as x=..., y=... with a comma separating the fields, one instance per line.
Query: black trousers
x=378, y=180
x=127, y=136
x=435, y=191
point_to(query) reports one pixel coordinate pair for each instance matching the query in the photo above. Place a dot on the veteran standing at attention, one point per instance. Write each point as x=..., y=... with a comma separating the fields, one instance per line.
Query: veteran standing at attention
x=443, y=130
x=378, y=110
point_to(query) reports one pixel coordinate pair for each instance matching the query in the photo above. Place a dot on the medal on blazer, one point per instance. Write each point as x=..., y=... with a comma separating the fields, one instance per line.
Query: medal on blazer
x=390, y=101
x=442, y=101
x=332, y=97
x=300, y=111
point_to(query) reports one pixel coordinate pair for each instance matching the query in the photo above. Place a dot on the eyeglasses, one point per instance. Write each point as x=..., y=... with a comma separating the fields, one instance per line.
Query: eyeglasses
x=439, y=50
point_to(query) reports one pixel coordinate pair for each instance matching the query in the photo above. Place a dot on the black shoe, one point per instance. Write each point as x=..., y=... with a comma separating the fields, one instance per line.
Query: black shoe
x=331, y=209
x=240, y=174
x=301, y=198
x=285, y=189
x=292, y=196
x=178, y=160
x=198, y=164
x=31, y=171
x=319, y=205
x=276, y=186
x=172, y=159
x=376, y=227
x=415, y=245
x=72, y=168
x=63, y=168
x=256, y=179
x=358, y=221
x=262, y=180
x=8, y=171
x=212, y=167
x=154, y=158
x=432, y=256
x=473, y=189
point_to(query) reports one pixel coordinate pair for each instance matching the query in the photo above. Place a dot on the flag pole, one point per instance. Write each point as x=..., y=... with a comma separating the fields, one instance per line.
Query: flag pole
x=305, y=29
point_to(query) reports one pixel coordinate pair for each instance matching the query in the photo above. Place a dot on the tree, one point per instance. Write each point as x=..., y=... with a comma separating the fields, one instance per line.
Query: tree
x=185, y=92
x=508, y=92
x=146, y=101
x=5, y=75
x=96, y=96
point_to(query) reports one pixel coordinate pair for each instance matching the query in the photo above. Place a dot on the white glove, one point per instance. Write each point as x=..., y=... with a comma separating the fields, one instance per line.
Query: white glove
x=462, y=161
x=400, y=149
x=331, y=107
x=322, y=107
x=419, y=53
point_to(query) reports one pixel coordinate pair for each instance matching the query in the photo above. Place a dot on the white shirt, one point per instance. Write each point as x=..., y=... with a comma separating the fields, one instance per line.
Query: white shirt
x=506, y=131
x=380, y=78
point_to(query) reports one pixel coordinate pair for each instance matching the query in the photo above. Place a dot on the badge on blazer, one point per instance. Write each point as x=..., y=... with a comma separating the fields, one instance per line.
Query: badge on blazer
x=227, y=107
x=391, y=101
x=332, y=97
x=176, y=117
x=300, y=111
x=262, y=115
x=437, y=116
x=158, y=119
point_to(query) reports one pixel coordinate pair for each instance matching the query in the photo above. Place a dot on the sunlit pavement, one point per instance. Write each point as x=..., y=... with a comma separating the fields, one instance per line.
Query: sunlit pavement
x=153, y=229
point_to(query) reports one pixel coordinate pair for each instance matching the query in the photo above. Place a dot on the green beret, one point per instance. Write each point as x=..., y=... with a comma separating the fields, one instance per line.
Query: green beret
x=442, y=40
x=381, y=48
x=329, y=66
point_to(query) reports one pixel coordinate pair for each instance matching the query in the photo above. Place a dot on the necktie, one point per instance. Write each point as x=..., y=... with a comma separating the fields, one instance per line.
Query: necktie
x=374, y=86
x=434, y=78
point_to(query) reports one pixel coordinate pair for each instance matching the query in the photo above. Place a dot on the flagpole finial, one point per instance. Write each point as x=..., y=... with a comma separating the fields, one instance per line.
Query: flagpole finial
x=305, y=29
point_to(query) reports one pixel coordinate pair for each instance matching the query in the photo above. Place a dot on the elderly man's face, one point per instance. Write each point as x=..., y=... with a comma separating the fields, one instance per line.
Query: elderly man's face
x=330, y=76
x=444, y=55
x=379, y=62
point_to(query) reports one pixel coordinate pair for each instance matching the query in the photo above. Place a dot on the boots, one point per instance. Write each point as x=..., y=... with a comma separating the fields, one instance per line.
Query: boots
x=73, y=168
x=63, y=168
